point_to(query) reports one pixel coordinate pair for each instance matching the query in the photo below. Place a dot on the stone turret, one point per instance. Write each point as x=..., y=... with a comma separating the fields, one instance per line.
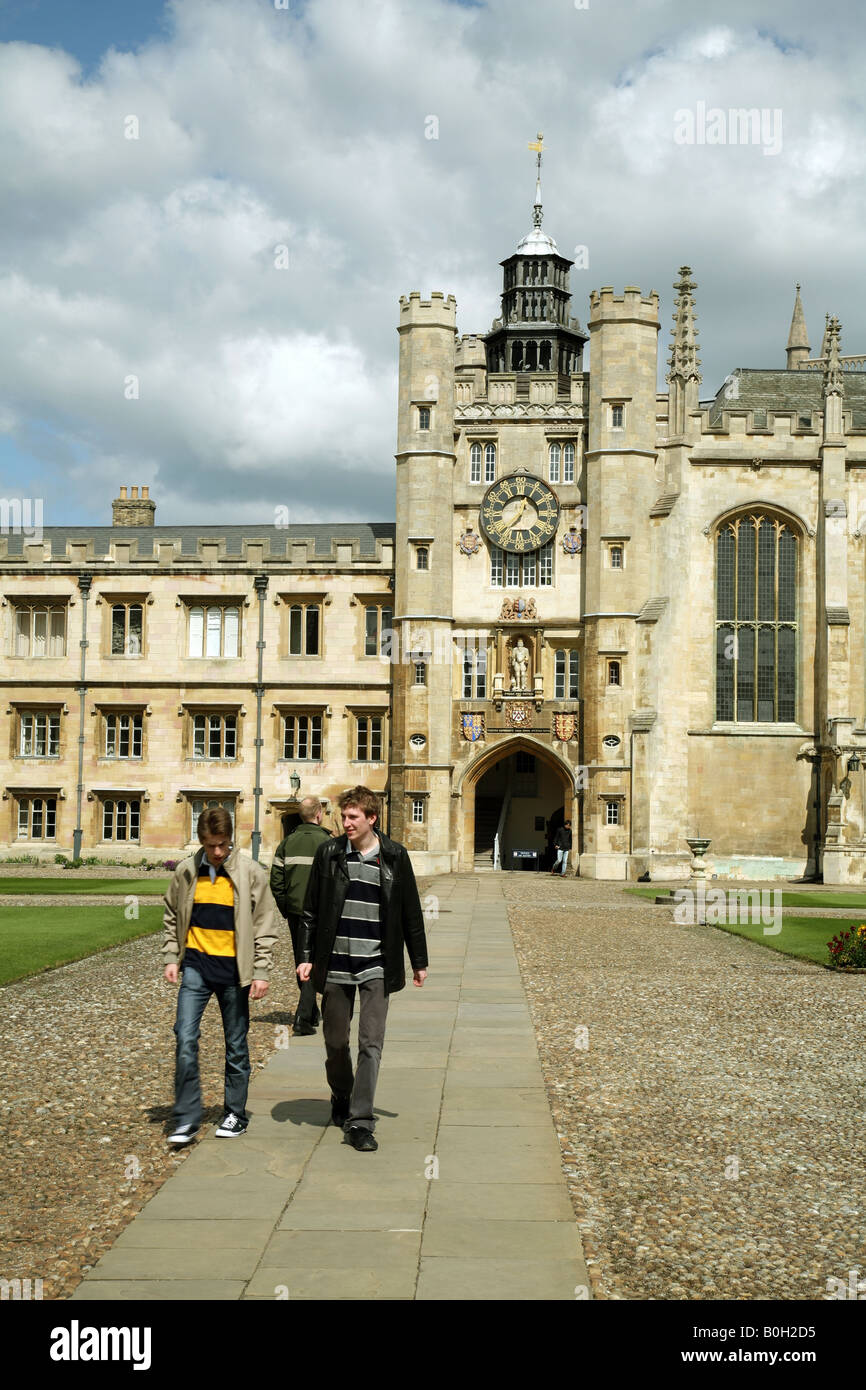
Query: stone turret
x=423, y=579
x=133, y=510
x=798, y=348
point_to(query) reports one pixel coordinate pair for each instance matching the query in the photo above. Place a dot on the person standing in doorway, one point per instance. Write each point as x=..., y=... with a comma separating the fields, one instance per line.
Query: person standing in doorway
x=362, y=908
x=290, y=874
x=562, y=845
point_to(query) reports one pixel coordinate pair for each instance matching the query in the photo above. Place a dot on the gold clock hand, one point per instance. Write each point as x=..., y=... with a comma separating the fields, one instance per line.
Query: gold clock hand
x=517, y=515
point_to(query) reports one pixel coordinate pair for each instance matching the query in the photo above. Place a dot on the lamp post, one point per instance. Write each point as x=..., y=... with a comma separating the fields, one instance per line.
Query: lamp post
x=84, y=583
x=261, y=587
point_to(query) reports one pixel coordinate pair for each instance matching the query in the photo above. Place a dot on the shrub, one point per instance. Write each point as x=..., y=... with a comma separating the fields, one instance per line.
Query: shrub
x=170, y=864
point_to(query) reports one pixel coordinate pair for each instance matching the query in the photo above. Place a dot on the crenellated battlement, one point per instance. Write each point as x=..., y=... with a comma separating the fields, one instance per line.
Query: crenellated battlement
x=631, y=305
x=437, y=311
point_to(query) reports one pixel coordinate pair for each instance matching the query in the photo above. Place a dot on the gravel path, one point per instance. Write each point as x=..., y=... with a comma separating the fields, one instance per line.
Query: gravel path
x=702, y=1049
x=88, y=1055
x=712, y=1115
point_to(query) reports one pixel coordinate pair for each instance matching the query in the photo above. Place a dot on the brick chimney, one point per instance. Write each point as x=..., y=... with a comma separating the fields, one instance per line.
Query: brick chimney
x=133, y=510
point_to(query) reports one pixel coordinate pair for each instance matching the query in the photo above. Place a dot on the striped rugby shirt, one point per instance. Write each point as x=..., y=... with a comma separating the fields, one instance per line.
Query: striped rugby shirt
x=210, y=941
x=357, y=951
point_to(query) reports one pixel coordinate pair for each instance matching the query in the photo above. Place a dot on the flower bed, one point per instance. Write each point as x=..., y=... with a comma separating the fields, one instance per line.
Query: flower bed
x=848, y=949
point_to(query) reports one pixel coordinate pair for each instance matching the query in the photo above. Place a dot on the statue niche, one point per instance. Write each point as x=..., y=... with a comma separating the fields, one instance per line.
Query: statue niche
x=519, y=666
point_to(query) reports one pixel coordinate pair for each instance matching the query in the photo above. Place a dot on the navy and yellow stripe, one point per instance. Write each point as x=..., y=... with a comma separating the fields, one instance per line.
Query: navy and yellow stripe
x=210, y=942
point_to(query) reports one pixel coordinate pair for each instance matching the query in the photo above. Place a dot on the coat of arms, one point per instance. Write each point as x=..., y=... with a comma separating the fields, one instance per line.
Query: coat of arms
x=472, y=726
x=516, y=608
x=564, y=727
x=518, y=714
x=572, y=541
x=470, y=542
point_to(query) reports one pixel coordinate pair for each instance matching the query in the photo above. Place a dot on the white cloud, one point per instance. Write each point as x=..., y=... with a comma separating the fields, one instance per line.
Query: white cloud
x=259, y=128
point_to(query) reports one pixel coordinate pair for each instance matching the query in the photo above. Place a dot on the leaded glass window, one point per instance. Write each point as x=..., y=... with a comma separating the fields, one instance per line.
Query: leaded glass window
x=756, y=622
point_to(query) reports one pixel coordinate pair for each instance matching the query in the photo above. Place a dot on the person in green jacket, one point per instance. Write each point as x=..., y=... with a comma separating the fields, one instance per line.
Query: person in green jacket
x=290, y=873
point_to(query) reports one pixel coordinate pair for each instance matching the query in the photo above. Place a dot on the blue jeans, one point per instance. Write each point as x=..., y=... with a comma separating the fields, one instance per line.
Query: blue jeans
x=561, y=858
x=192, y=999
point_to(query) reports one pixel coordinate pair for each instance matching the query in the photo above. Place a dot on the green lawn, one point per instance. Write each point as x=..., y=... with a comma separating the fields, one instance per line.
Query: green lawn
x=69, y=886
x=851, y=902
x=804, y=937
x=38, y=938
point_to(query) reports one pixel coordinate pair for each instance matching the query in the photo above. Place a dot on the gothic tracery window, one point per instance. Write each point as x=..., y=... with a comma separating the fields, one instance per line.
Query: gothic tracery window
x=756, y=620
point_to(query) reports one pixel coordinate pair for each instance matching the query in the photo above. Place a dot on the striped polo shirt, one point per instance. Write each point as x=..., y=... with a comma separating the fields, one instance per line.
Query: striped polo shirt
x=210, y=941
x=357, y=951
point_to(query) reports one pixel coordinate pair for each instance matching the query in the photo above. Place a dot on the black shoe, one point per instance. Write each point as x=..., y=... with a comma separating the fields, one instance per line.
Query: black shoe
x=339, y=1110
x=232, y=1126
x=362, y=1139
x=303, y=1030
x=183, y=1134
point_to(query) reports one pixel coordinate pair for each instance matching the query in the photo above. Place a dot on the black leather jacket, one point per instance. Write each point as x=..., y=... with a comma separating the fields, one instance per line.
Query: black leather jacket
x=401, y=918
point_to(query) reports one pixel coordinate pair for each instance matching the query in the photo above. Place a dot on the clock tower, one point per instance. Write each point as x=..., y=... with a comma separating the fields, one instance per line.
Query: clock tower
x=486, y=728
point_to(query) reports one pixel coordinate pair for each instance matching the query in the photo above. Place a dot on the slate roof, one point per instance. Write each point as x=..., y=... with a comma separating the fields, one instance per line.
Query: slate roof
x=367, y=533
x=759, y=389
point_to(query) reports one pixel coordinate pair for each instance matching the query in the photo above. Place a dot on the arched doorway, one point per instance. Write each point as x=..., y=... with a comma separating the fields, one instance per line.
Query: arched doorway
x=523, y=791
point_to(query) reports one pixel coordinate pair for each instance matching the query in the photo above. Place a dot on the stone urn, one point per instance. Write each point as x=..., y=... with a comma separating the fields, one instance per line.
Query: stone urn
x=698, y=848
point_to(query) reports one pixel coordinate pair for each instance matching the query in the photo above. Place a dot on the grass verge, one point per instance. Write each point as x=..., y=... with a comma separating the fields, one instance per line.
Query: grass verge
x=850, y=902
x=33, y=939
x=70, y=887
x=803, y=937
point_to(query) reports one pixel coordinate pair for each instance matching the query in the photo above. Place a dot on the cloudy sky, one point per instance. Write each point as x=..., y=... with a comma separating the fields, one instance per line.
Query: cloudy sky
x=211, y=208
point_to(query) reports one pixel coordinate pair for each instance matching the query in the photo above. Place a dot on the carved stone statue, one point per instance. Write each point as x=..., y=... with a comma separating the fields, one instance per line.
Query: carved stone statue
x=519, y=665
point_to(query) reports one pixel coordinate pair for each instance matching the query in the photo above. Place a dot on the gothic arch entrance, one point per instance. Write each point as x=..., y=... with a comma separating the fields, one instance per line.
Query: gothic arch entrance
x=521, y=788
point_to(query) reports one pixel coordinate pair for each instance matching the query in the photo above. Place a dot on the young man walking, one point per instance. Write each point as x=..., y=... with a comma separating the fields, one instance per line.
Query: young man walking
x=290, y=874
x=220, y=929
x=361, y=909
x=562, y=845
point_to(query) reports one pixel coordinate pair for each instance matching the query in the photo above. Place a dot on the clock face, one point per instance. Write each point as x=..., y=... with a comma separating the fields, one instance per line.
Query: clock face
x=519, y=513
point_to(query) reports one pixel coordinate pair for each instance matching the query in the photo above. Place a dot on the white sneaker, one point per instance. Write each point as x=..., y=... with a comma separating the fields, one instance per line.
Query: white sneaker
x=184, y=1134
x=231, y=1127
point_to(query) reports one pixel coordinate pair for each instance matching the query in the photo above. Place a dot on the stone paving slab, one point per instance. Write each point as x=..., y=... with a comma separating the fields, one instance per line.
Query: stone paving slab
x=500, y=1280
x=94, y=1289
x=465, y=1197
x=523, y=1202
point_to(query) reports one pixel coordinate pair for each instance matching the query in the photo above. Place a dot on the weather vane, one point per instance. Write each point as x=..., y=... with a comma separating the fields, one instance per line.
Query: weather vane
x=538, y=146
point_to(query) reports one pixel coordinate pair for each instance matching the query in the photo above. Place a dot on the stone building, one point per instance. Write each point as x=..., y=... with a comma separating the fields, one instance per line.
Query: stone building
x=639, y=611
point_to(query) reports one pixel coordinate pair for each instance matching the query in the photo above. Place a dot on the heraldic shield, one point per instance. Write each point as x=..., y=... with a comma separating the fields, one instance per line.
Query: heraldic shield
x=473, y=726
x=564, y=727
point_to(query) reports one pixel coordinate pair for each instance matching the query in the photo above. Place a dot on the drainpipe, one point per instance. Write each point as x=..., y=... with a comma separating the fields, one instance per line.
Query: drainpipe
x=261, y=586
x=84, y=583
x=631, y=794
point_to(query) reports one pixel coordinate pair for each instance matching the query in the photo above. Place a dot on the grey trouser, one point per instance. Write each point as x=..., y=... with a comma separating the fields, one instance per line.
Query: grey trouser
x=338, y=1004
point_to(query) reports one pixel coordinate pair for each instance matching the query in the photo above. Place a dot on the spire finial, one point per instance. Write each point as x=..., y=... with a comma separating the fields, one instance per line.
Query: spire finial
x=833, y=385
x=538, y=146
x=797, y=349
x=684, y=360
